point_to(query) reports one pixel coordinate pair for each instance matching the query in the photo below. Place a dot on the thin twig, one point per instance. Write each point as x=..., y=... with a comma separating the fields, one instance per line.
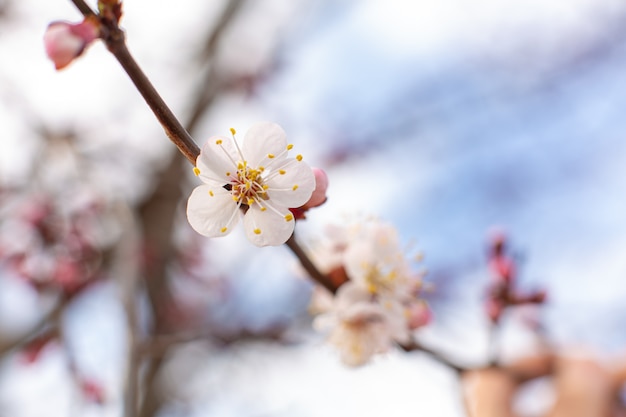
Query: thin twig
x=83, y=8
x=415, y=346
x=309, y=266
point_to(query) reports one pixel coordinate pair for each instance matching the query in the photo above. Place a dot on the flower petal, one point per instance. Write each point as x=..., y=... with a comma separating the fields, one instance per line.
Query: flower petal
x=267, y=227
x=264, y=143
x=217, y=160
x=293, y=186
x=211, y=211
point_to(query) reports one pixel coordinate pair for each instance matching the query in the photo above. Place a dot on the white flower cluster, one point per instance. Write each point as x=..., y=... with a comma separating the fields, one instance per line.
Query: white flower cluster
x=378, y=306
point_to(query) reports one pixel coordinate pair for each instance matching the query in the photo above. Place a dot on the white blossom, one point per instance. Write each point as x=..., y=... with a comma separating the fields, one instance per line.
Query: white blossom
x=259, y=177
x=379, y=306
x=358, y=326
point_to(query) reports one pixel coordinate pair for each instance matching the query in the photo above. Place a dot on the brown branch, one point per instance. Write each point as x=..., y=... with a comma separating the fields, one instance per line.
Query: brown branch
x=309, y=266
x=83, y=8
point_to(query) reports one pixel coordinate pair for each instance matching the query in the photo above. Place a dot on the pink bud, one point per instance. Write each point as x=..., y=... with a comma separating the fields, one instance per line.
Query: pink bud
x=419, y=314
x=66, y=41
x=321, y=185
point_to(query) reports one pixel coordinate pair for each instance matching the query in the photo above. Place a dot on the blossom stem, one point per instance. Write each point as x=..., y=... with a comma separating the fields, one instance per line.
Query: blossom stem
x=83, y=7
x=308, y=265
x=114, y=38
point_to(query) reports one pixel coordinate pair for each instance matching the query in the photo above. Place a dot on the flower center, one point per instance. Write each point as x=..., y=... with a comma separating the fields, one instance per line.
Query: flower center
x=249, y=186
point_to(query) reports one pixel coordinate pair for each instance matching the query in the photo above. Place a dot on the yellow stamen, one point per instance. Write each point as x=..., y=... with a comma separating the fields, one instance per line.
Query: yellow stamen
x=299, y=157
x=282, y=171
x=263, y=208
x=233, y=131
x=211, y=193
x=250, y=201
x=270, y=155
x=290, y=147
x=289, y=217
x=228, y=174
x=218, y=142
x=295, y=187
x=265, y=186
x=257, y=231
x=223, y=229
x=196, y=171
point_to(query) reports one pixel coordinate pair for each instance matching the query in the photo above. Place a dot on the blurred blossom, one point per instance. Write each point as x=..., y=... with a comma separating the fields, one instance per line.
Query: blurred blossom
x=359, y=326
x=51, y=244
x=380, y=298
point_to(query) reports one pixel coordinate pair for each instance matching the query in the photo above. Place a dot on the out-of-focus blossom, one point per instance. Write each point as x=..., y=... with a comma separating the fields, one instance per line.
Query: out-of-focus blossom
x=51, y=246
x=376, y=261
x=66, y=41
x=259, y=177
x=359, y=326
x=502, y=292
x=379, y=305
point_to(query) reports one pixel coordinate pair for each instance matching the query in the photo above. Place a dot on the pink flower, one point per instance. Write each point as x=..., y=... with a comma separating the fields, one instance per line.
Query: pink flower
x=66, y=41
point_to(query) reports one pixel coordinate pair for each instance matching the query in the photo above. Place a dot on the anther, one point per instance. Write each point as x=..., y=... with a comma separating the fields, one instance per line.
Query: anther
x=196, y=171
x=289, y=217
x=299, y=157
x=257, y=231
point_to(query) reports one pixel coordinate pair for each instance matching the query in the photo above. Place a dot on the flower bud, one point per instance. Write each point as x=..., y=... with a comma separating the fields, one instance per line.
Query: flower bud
x=319, y=193
x=66, y=41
